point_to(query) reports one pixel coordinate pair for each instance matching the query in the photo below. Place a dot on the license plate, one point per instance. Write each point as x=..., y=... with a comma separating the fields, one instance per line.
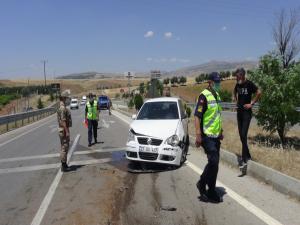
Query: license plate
x=148, y=149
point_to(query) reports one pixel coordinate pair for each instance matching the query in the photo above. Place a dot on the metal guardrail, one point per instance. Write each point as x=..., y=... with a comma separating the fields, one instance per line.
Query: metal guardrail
x=34, y=115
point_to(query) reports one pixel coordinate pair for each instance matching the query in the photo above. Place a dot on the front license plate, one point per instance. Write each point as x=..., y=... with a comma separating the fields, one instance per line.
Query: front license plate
x=148, y=149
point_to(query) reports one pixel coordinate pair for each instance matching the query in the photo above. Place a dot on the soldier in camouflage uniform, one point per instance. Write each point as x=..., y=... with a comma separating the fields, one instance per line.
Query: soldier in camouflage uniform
x=64, y=122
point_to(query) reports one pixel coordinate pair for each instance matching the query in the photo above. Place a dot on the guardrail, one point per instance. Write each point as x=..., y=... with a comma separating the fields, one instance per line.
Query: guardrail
x=225, y=105
x=26, y=117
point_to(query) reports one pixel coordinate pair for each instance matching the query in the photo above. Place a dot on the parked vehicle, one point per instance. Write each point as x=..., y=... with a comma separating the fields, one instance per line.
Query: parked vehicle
x=159, y=133
x=74, y=103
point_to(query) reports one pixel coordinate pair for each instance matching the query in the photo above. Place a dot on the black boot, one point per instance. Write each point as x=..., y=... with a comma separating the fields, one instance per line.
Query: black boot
x=64, y=167
x=201, y=186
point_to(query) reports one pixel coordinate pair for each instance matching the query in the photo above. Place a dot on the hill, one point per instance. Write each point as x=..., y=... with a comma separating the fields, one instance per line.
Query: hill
x=211, y=67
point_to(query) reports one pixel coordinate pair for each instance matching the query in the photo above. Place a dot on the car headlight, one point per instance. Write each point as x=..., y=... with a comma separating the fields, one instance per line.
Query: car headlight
x=131, y=136
x=173, y=140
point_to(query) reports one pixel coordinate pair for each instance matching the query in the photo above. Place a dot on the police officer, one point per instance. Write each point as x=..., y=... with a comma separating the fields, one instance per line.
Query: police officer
x=208, y=126
x=64, y=122
x=91, y=114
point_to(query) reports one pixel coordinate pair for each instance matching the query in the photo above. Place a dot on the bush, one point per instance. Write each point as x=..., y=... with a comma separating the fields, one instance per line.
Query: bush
x=40, y=104
x=5, y=99
x=138, y=101
x=117, y=95
x=280, y=95
x=225, y=95
x=131, y=103
x=188, y=111
x=51, y=97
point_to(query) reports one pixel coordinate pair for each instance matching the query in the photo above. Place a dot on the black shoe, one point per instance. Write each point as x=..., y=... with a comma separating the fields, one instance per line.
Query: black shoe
x=214, y=197
x=89, y=145
x=202, y=190
x=65, y=167
x=96, y=141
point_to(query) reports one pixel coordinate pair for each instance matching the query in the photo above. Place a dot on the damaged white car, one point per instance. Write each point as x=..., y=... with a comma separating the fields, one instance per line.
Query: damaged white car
x=159, y=133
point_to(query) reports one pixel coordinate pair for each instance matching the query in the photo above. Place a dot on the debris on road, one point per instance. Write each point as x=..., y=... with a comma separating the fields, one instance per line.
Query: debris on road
x=168, y=208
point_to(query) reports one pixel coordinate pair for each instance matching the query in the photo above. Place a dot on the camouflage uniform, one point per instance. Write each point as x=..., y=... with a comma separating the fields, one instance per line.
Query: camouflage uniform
x=63, y=115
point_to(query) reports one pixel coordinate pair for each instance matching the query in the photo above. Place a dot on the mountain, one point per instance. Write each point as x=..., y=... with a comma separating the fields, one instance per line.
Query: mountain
x=186, y=71
x=212, y=66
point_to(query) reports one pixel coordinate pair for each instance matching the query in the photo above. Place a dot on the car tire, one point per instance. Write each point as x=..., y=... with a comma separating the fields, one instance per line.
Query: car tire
x=185, y=150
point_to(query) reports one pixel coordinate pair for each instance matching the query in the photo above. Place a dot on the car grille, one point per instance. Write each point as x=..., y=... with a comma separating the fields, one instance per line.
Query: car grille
x=148, y=156
x=144, y=141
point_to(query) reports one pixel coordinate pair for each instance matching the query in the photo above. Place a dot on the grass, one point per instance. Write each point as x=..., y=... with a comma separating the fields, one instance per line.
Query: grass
x=191, y=92
x=266, y=152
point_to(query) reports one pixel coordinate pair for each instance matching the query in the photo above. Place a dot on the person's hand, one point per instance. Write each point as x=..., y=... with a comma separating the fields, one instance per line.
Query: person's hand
x=198, y=141
x=248, y=106
x=221, y=137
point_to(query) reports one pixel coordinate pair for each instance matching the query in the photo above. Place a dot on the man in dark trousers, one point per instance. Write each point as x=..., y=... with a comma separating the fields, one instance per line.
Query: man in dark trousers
x=243, y=92
x=208, y=126
x=91, y=114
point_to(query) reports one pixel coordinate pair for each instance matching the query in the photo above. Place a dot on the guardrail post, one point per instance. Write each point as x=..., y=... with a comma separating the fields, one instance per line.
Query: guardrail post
x=7, y=126
x=15, y=123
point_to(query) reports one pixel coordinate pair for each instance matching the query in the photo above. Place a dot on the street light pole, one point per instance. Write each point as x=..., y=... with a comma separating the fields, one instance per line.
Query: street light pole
x=44, y=63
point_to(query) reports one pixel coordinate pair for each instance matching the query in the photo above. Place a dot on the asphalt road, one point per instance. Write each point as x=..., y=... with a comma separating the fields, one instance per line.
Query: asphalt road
x=100, y=190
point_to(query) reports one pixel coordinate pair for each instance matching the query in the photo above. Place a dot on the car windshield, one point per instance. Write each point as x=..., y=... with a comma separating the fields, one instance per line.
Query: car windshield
x=159, y=111
x=103, y=99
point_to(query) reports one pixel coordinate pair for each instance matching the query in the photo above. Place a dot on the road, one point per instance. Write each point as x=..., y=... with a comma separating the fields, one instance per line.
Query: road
x=100, y=190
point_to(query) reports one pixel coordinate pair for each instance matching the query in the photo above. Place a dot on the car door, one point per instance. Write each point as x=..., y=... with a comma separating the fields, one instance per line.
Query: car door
x=184, y=118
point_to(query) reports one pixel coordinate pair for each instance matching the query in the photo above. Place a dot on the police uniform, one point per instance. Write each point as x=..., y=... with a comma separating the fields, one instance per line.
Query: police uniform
x=92, y=118
x=64, y=115
x=208, y=110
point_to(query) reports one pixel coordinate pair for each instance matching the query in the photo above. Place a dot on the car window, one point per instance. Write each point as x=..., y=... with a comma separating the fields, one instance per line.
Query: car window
x=159, y=111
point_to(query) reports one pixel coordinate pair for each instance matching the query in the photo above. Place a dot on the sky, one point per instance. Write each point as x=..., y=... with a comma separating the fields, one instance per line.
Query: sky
x=131, y=35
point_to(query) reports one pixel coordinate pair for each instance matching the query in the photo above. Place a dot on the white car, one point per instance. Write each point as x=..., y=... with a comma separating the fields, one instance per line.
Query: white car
x=159, y=133
x=74, y=103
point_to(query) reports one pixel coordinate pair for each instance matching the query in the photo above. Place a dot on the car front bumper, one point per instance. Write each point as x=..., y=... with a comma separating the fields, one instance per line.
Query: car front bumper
x=164, y=154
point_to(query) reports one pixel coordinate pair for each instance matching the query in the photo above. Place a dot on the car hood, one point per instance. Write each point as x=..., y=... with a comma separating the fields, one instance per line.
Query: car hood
x=155, y=128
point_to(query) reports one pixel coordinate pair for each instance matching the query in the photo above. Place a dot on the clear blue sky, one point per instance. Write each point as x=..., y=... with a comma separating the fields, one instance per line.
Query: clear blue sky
x=131, y=35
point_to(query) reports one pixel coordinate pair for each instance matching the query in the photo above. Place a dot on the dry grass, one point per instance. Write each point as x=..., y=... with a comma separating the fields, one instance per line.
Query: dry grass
x=191, y=91
x=77, y=86
x=286, y=161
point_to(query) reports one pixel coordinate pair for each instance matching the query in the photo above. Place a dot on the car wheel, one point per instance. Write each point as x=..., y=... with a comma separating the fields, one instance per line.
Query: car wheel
x=185, y=149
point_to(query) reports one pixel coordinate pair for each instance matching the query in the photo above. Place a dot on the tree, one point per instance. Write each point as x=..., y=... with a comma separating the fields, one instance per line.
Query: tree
x=51, y=97
x=287, y=36
x=40, y=104
x=197, y=79
x=130, y=103
x=225, y=95
x=166, y=81
x=280, y=94
x=142, y=88
x=174, y=80
x=182, y=80
x=138, y=101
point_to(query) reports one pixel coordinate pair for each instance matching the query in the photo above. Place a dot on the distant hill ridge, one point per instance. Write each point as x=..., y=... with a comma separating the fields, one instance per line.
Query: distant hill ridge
x=186, y=71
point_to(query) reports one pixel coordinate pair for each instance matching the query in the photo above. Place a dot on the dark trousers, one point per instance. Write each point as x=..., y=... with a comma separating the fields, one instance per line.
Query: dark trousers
x=212, y=149
x=244, y=119
x=92, y=129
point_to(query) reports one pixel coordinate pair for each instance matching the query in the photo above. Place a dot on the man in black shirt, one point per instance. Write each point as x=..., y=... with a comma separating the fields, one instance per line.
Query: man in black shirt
x=243, y=91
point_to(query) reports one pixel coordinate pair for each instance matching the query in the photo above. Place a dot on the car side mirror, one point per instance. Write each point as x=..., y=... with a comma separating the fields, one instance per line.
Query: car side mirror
x=133, y=116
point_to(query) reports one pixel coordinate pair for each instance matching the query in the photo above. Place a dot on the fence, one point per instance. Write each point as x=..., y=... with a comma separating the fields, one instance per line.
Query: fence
x=20, y=119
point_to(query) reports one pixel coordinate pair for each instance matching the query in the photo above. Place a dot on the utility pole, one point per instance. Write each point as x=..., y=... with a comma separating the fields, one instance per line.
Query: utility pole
x=129, y=76
x=44, y=62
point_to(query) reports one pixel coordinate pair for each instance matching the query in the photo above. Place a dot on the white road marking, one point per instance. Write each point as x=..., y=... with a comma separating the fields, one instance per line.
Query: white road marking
x=53, y=166
x=242, y=201
x=29, y=168
x=57, y=154
x=18, y=136
x=106, y=125
x=47, y=200
x=239, y=199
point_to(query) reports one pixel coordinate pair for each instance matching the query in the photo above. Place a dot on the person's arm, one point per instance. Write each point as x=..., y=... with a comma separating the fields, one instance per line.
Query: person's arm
x=257, y=92
x=199, y=110
x=86, y=111
x=198, y=131
x=234, y=97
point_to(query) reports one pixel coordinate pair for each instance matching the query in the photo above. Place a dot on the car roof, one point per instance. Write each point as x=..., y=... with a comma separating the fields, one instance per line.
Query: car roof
x=163, y=99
